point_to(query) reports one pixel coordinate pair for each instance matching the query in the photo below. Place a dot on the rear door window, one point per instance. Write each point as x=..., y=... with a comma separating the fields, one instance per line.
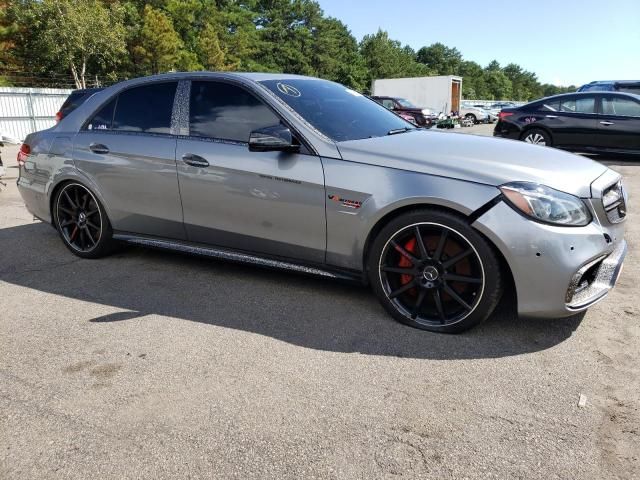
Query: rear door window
x=227, y=112
x=586, y=105
x=620, y=106
x=104, y=118
x=578, y=105
x=550, y=106
x=146, y=108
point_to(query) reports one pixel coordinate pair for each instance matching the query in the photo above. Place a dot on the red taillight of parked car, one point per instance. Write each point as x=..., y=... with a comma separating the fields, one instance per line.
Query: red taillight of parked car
x=58, y=117
x=503, y=115
x=24, y=151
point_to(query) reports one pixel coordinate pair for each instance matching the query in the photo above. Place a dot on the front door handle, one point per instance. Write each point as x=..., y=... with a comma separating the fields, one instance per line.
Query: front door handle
x=194, y=160
x=552, y=116
x=99, y=148
x=606, y=124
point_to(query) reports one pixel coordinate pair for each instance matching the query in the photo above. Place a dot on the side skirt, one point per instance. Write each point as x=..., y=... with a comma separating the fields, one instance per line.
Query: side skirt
x=239, y=257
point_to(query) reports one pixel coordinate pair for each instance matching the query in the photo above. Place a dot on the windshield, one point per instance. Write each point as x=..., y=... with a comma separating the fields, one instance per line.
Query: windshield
x=336, y=111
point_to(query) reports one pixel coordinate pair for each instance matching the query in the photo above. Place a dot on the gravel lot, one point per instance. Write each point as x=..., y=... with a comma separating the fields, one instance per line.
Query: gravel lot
x=155, y=365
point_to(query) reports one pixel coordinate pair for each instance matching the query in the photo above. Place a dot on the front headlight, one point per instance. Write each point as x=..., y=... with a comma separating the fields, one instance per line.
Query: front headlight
x=546, y=205
x=426, y=111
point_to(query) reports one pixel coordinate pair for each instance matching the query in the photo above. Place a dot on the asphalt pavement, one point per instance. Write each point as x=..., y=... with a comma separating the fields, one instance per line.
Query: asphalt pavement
x=150, y=364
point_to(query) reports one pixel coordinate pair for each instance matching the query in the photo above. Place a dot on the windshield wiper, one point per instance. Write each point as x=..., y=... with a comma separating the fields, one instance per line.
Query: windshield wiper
x=399, y=130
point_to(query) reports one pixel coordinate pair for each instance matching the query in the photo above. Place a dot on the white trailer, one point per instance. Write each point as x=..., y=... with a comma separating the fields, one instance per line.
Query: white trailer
x=440, y=93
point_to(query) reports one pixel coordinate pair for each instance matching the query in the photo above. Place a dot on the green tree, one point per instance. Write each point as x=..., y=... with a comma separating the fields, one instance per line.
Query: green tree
x=188, y=18
x=238, y=34
x=159, y=45
x=525, y=84
x=387, y=58
x=440, y=59
x=474, y=85
x=212, y=55
x=70, y=35
x=499, y=86
x=335, y=55
x=286, y=40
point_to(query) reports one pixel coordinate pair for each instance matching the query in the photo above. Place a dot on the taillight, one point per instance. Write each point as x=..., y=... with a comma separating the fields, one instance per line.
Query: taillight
x=24, y=151
x=58, y=117
x=503, y=115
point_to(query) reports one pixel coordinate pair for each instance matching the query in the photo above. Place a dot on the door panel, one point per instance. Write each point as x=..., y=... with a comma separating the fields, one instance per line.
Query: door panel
x=619, y=124
x=264, y=202
x=574, y=121
x=137, y=178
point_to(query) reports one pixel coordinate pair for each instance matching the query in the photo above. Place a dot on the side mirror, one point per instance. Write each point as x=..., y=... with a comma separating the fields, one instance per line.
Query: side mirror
x=277, y=138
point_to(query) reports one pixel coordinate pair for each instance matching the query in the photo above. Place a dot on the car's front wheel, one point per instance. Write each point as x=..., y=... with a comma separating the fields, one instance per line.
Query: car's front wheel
x=82, y=222
x=432, y=271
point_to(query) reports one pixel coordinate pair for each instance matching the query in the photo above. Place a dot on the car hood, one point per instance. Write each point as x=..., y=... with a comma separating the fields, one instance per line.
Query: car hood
x=487, y=160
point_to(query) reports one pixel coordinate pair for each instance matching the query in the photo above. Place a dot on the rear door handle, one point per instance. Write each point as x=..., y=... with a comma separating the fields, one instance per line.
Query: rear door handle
x=99, y=148
x=194, y=160
x=606, y=124
x=552, y=116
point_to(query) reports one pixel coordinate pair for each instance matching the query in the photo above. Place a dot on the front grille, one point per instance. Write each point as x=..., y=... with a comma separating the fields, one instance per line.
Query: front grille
x=615, y=203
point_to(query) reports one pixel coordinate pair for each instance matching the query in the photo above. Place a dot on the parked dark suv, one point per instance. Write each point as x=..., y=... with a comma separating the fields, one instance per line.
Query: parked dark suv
x=405, y=109
x=628, y=86
x=585, y=122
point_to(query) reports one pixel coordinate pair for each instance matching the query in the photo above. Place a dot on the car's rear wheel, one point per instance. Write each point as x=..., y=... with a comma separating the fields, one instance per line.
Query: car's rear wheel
x=432, y=271
x=472, y=117
x=82, y=222
x=536, y=136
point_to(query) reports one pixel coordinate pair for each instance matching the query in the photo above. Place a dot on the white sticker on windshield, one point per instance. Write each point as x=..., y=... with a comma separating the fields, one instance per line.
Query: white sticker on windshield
x=289, y=90
x=353, y=92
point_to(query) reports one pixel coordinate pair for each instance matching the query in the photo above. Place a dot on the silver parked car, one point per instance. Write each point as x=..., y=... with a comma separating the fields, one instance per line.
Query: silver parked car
x=304, y=174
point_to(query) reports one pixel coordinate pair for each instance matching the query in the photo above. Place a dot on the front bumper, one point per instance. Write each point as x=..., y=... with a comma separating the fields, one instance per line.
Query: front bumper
x=594, y=280
x=550, y=264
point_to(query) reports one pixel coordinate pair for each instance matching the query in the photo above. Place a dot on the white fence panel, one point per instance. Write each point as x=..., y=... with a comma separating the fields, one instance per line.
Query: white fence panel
x=26, y=110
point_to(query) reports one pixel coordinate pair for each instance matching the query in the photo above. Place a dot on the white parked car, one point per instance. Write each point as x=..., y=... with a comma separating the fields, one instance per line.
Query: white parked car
x=476, y=114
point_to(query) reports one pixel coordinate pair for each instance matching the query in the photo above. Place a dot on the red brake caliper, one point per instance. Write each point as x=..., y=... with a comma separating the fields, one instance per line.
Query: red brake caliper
x=410, y=247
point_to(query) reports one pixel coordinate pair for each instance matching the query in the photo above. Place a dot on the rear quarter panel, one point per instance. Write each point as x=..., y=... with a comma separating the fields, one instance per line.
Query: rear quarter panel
x=49, y=158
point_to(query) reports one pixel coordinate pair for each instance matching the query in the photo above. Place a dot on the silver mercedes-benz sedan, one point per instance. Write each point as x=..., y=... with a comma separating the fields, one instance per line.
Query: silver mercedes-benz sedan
x=304, y=174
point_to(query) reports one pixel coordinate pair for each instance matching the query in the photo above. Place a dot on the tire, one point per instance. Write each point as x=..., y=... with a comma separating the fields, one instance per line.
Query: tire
x=82, y=222
x=537, y=136
x=452, y=284
x=472, y=117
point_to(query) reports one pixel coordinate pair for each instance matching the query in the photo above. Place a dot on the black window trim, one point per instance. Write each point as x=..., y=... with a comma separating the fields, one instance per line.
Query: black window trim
x=306, y=147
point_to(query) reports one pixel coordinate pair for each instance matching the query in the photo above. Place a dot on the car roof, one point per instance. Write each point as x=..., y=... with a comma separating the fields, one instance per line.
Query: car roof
x=609, y=82
x=584, y=94
x=87, y=90
x=255, y=76
x=240, y=76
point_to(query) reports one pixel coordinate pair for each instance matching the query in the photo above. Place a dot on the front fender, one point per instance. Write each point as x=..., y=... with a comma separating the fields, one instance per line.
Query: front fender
x=360, y=196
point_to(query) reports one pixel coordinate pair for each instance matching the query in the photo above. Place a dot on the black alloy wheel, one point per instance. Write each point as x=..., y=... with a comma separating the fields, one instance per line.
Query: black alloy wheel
x=81, y=221
x=436, y=275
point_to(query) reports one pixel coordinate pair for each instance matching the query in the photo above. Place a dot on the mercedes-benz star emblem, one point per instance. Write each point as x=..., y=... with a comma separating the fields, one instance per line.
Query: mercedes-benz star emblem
x=430, y=273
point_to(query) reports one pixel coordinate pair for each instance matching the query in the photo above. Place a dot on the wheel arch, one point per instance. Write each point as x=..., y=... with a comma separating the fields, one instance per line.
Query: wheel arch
x=67, y=179
x=534, y=126
x=468, y=217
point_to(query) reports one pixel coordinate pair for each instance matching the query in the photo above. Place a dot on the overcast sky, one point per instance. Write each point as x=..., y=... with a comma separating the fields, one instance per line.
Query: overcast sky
x=563, y=41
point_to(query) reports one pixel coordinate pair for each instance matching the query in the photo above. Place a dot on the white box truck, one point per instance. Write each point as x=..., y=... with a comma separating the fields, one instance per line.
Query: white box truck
x=440, y=93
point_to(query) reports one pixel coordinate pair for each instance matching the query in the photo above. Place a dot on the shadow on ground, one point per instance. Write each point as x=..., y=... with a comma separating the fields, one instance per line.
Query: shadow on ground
x=308, y=312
